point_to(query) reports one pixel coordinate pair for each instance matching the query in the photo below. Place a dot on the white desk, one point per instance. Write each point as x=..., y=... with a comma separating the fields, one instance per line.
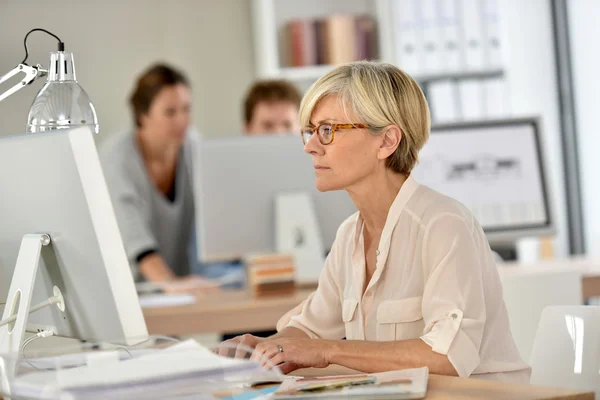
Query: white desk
x=589, y=268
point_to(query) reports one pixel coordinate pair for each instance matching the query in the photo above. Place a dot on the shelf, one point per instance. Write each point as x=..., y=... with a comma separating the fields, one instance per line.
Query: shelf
x=314, y=72
x=473, y=74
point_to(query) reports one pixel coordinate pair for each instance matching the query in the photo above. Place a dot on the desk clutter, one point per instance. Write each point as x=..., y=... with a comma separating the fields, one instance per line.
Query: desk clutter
x=183, y=369
x=402, y=384
x=271, y=274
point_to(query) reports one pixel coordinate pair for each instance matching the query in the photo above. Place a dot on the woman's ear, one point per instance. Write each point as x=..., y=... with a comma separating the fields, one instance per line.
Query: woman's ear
x=391, y=137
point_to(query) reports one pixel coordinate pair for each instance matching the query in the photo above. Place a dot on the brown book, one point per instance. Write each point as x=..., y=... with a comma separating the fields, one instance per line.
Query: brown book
x=321, y=42
x=309, y=42
x=296, y=42
x=274, y=288
x=340, y=39
x=365, y=38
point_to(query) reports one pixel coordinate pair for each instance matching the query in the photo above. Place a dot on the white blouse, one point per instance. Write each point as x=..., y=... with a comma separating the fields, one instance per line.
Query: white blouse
x=435, y=279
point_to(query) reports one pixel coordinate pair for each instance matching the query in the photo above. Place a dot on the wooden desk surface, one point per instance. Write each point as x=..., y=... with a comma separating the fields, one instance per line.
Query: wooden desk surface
x=239, y=311
x=448, y=387
x=225, y=311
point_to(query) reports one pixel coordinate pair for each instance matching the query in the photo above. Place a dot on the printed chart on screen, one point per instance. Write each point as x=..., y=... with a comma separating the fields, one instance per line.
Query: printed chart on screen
x=494, y=169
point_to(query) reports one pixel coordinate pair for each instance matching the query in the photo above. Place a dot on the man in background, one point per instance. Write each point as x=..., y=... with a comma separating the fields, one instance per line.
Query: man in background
x=271, y=107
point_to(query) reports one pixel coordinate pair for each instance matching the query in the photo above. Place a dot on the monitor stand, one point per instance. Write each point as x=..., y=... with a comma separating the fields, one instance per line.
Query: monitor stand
x=18, y=302
x=507, y=251
x=297, y=233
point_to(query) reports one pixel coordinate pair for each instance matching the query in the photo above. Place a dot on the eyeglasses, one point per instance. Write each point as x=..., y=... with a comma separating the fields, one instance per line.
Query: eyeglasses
x=326, y=132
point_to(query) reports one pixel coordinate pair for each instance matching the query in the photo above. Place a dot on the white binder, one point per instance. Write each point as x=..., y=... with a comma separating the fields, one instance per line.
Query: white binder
x=496, y=98
x=492, y=42
x=471, y=99
x=443, y=97
x=432, y=44
x=472, y=34
x=450, y=28
x=408, y=36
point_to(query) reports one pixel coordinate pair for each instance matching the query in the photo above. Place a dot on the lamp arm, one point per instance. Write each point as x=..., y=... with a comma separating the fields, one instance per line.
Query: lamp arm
x=31, y=74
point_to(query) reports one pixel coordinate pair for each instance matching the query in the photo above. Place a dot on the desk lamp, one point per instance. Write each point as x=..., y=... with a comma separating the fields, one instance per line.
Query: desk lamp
x=61, y=102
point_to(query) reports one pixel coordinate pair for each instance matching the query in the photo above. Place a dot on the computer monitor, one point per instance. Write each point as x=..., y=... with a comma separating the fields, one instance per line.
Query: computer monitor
x=237, y=182
x=52, y=183
x=497, y=169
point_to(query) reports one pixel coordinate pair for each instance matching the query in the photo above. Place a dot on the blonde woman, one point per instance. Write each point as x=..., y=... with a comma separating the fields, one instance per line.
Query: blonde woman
x=410, y=280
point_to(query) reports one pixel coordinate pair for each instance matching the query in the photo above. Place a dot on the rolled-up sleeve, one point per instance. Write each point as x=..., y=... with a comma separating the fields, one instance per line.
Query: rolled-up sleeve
x=320, y=316
x=453, y=299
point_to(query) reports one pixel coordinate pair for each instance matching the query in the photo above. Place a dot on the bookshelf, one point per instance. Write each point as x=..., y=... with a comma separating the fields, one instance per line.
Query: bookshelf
x=269, y=24
x=470, y=83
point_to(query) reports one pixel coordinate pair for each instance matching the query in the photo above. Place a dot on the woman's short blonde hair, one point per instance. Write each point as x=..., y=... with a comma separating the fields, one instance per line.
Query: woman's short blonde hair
x=379, y=95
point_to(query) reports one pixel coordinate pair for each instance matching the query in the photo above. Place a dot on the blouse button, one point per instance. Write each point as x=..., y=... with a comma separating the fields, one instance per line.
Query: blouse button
x=377, y=252
x=454, y=316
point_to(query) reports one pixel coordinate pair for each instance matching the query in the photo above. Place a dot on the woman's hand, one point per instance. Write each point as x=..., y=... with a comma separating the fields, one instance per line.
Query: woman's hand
x=293, y=353
x=239, y=346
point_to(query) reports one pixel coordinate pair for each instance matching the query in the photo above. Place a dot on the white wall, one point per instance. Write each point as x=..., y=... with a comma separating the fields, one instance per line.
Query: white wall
x=533, y=88
x=114, y=40
x=584, y=27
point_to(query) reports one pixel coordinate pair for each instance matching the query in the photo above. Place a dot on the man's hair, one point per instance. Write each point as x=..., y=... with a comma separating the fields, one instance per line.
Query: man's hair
x=269, y=91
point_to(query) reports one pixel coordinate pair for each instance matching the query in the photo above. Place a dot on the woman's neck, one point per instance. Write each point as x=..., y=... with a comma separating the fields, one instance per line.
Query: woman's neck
x=374, y=197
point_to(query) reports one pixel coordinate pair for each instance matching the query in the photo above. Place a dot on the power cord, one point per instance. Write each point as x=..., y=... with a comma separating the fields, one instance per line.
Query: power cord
x=39, y=335
x=61, y=44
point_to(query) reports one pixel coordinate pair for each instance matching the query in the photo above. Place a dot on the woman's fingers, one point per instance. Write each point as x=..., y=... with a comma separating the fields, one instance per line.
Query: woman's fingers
x=246, y=346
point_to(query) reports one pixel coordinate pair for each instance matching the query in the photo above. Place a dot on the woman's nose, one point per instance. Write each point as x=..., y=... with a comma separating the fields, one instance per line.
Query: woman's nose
x=313, y=146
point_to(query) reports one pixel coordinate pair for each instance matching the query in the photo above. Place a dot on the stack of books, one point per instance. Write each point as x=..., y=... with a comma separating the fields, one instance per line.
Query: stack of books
x=271, y=274
x=334, y=40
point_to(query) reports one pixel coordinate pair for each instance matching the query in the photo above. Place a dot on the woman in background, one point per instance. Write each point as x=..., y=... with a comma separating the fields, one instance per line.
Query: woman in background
x=149, y=174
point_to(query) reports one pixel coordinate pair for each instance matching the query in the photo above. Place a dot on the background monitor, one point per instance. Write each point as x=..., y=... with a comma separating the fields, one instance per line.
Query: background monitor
x=237, y=181
x=495, y=168
x=52, y=183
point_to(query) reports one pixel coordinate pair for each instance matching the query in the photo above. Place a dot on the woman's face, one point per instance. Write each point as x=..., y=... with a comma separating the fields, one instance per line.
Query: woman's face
x=169, y=116
x=352, y=156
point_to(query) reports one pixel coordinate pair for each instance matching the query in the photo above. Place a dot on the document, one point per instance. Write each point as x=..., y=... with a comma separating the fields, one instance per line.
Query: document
x=401, y=384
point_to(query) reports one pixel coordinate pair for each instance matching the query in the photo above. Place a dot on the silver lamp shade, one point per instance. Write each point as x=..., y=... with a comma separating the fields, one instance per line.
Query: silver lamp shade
x=61, y=103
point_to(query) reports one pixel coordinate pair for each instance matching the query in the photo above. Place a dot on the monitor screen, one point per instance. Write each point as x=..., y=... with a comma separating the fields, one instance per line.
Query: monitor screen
x=495, y=169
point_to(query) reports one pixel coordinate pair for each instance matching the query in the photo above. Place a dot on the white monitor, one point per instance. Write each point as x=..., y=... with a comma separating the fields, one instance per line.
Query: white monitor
x=237, y=182
x=52, y=183
x=495, y=168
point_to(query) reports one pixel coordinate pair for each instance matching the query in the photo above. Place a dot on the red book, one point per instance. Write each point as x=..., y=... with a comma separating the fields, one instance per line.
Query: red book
x=296, y=41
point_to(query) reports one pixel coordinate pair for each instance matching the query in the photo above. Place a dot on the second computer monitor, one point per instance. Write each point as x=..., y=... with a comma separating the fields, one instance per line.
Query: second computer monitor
x=497, y=169
x=237, y=181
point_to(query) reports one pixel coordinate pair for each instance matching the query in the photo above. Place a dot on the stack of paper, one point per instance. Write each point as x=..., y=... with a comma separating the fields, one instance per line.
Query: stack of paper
x=403, y=384
x=185, y=368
